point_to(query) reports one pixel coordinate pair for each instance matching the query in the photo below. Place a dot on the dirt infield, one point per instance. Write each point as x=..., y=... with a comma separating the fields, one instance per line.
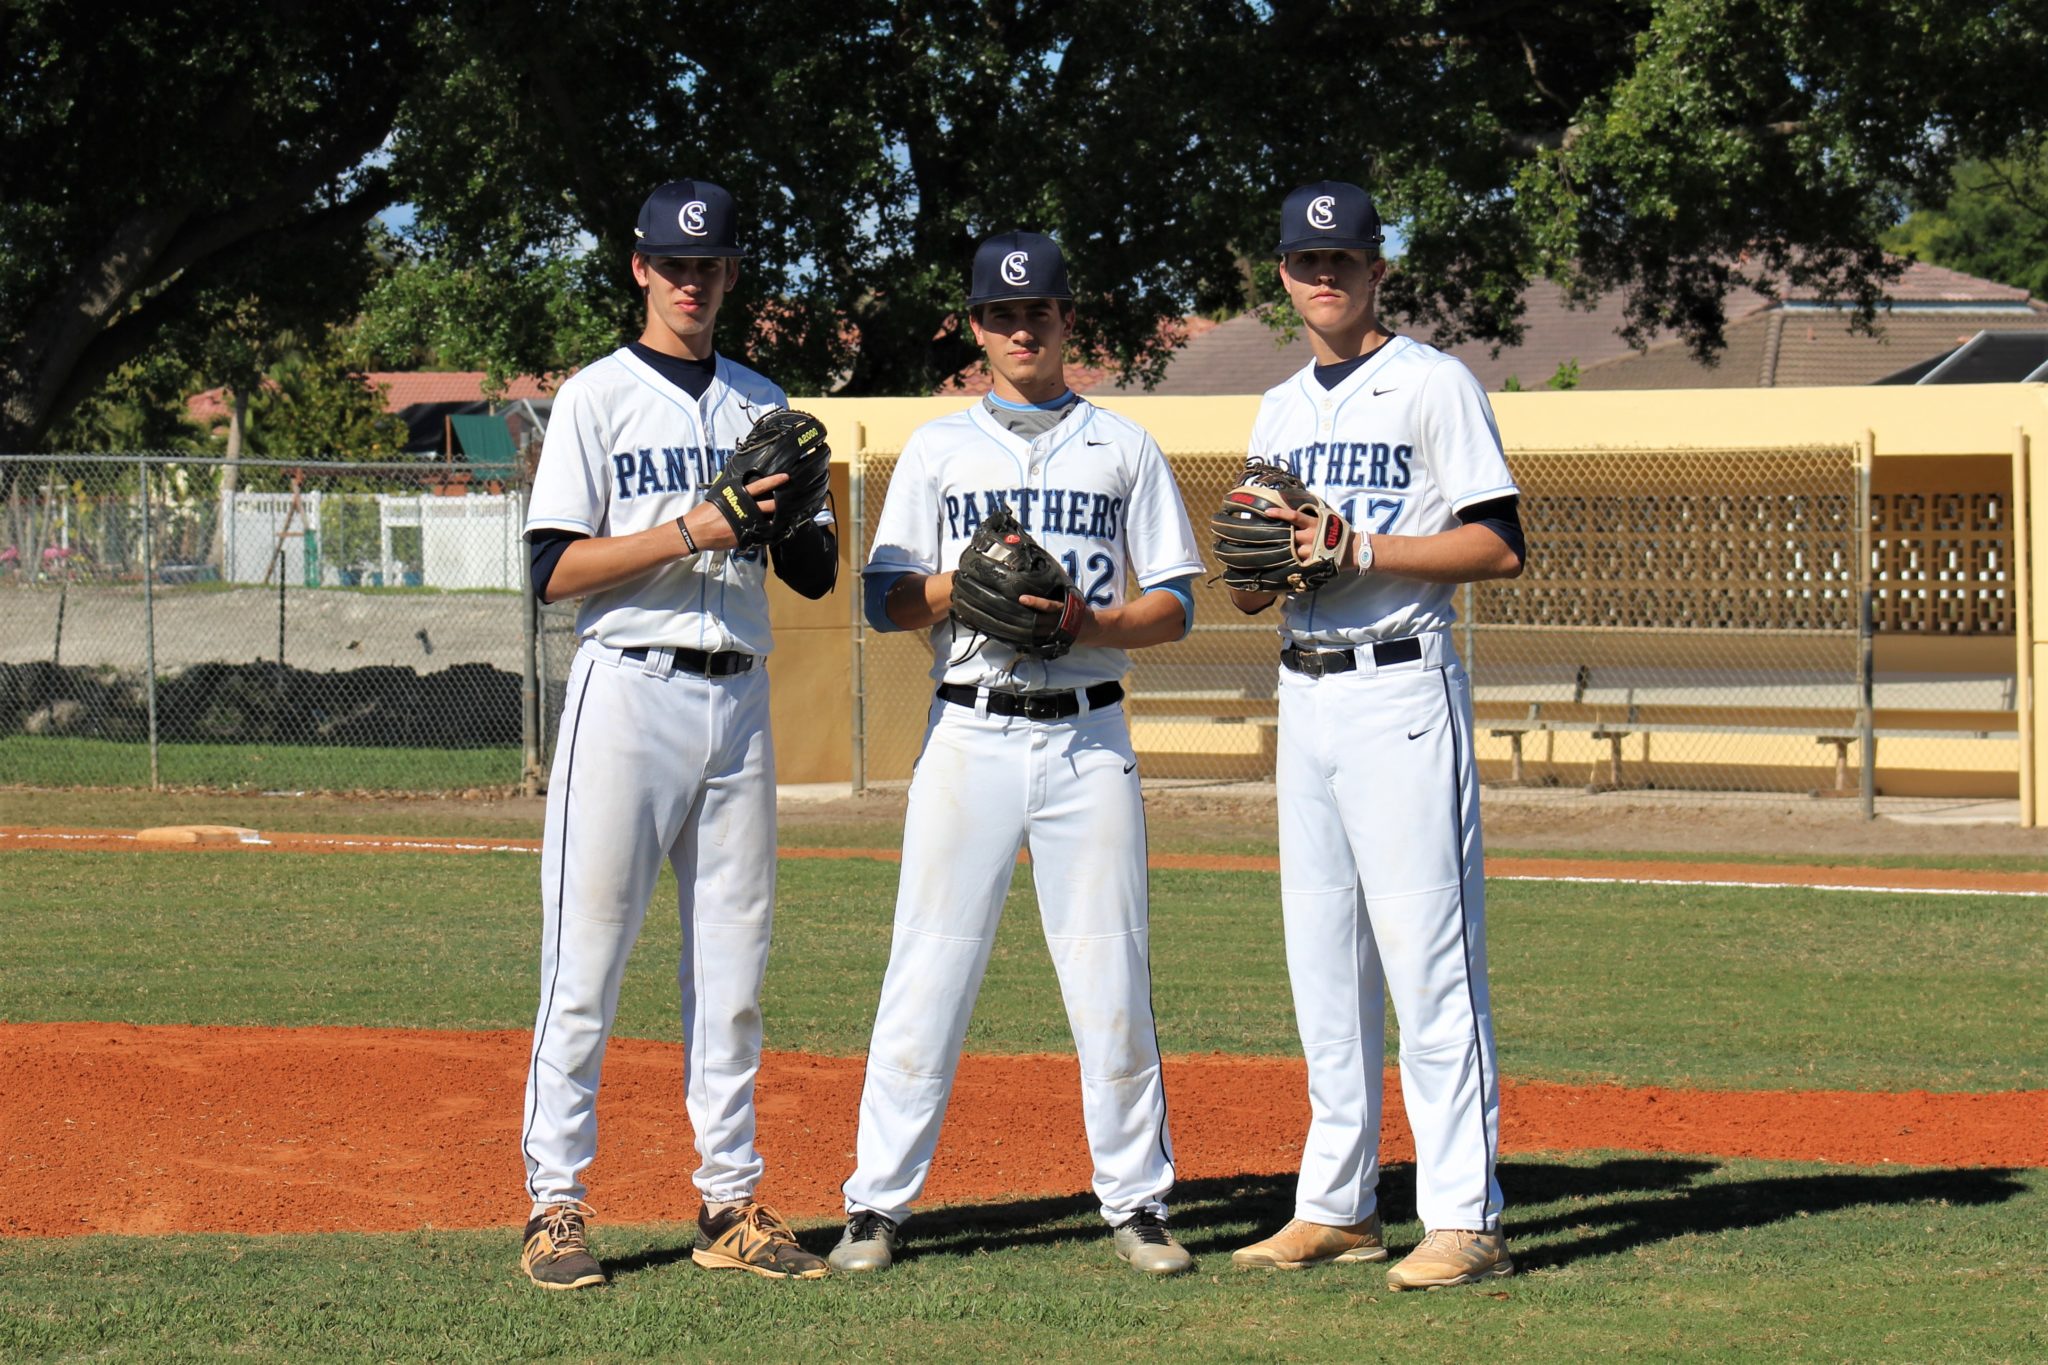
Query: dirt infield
x=117, y=1128
x=1938, y=880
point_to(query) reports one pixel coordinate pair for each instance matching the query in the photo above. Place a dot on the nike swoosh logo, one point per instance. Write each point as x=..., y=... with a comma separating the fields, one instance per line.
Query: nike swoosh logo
x=1418, y=734
x=1377, y=392
x=1131, y=766
x=1100, y=443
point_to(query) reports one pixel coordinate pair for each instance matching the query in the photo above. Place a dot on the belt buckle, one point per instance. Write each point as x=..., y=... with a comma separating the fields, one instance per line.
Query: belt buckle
x=1308, y=662
x=1041, y=707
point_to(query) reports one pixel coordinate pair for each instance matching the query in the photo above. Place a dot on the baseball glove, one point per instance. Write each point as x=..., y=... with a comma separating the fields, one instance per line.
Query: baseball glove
x=1002, y=563
x=784, y=441
x=1257, y=552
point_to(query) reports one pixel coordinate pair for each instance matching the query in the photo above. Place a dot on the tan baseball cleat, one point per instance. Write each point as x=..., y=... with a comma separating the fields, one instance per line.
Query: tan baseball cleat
x=1449, y=1256
x=1302, y=1244
x=555, y=1254
x=753, y=1238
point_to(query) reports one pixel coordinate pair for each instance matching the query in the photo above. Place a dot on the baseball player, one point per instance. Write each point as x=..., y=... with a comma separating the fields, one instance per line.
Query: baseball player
x=1025, y=751
x=1379, y=798
x=664, y=748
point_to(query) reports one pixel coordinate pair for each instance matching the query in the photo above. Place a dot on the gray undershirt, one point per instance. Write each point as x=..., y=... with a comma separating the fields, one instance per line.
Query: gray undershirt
x=1030, y=423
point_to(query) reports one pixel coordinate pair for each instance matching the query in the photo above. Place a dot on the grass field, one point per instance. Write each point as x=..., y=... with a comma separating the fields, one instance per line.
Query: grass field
x=66, y=761
x=1659, y=1258
x=1653, y=1256
x=1715, y=986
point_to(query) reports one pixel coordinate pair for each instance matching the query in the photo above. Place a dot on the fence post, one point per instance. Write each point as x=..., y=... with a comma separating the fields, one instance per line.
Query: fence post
x=1866, y=730
x=2020, y=572
x=529, y=683
x=856, y=496
x=148, y=621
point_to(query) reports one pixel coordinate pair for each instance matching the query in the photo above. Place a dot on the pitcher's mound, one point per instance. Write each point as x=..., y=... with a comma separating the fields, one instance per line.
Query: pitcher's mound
x=196, y=834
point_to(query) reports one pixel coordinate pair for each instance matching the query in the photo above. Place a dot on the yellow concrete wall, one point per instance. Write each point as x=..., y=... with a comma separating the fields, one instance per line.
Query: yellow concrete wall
x=1915, y=432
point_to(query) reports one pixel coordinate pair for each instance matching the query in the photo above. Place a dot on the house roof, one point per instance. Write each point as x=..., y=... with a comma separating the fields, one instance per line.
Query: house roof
x=974, y=379
x=407, y=387
x=1794, y=348
x=420, y=397
x=1932, y=310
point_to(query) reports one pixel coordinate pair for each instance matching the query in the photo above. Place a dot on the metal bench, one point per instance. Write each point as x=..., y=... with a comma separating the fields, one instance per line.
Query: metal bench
x=1625, y=701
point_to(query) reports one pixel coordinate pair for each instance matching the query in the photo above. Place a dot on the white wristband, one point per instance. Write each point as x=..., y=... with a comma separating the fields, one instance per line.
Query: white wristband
x=1362, y=550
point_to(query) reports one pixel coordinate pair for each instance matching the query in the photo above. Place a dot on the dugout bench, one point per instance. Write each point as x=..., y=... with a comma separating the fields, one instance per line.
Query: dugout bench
x=1611, y=703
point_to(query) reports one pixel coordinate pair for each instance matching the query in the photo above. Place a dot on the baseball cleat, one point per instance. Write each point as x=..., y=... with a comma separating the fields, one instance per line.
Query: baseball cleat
x=869, y=1243
x=1302, y=1244
x=1450, y=1256
x=1148, y=1246
x=555, y=1254
x=752, y=1237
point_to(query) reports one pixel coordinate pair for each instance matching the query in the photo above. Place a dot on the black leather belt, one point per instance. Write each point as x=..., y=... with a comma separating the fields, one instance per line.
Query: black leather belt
x=722, y=665
x=1317, y=662
x=1034, y=705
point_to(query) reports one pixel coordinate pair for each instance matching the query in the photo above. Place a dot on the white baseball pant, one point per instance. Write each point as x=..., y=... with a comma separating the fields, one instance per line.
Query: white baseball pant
x=1382, y=894
x=985, y=786
x=652, y=764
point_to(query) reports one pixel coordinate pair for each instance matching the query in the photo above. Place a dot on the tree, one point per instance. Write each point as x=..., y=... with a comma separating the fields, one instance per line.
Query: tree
x=1672, y=151
x=318, y=406
x=433, y=313
x=159, y=162
x=1993, y=223
x=1675, y=152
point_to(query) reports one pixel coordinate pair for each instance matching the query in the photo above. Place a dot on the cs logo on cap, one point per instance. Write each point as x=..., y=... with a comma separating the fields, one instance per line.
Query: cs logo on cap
x=691, y=218
x=1322, y=212
x=1017, y=268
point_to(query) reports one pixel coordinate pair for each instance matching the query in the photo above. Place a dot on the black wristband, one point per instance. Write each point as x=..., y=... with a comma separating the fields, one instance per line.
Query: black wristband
x=689, y=541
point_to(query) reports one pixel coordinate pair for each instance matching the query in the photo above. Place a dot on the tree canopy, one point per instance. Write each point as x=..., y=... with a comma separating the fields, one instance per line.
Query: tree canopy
x=1993, y=222
x=164, y=167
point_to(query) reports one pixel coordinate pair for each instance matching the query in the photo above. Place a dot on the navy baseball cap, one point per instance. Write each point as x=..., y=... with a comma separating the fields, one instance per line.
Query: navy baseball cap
x=1328, y=214
x=1018, y=265
x=687, y=218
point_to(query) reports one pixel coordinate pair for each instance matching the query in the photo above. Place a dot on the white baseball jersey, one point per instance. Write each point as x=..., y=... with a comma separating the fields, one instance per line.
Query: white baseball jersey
x=1399, y=447
x=1094, y=491
x=627, y=451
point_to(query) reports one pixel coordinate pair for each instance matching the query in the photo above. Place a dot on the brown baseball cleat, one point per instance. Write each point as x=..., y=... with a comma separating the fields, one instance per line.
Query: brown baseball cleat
x=1302, y=1244
x=752, y=1237
x=1451, y=1256
x=555, y=1254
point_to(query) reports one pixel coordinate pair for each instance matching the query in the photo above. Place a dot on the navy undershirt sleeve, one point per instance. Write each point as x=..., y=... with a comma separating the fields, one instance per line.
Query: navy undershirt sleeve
x=1503, y=517
x=544, y=551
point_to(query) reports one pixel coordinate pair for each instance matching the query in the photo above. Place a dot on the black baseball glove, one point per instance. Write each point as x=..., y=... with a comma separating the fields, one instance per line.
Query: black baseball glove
x=784, y=441
x=1257, y=552
x=1001, y=564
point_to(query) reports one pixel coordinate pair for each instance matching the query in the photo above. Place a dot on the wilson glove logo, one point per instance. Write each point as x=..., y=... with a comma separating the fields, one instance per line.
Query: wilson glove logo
x=691, y=219
x=1017, y=268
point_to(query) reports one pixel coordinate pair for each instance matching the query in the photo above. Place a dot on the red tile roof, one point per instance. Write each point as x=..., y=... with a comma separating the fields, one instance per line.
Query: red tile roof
x=403, y=389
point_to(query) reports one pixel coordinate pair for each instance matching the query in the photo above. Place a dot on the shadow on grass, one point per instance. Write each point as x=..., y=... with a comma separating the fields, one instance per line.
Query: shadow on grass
x=1632, y=1202
x=1611, y=1206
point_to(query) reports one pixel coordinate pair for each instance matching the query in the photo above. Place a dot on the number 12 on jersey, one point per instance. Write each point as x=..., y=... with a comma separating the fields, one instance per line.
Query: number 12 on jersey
x=1101, y=565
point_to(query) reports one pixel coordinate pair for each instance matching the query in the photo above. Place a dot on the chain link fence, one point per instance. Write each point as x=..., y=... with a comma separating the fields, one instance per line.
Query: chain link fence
x=1698, y=619
x=1735, y=620
x=1686, y=618
x=168, y=620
